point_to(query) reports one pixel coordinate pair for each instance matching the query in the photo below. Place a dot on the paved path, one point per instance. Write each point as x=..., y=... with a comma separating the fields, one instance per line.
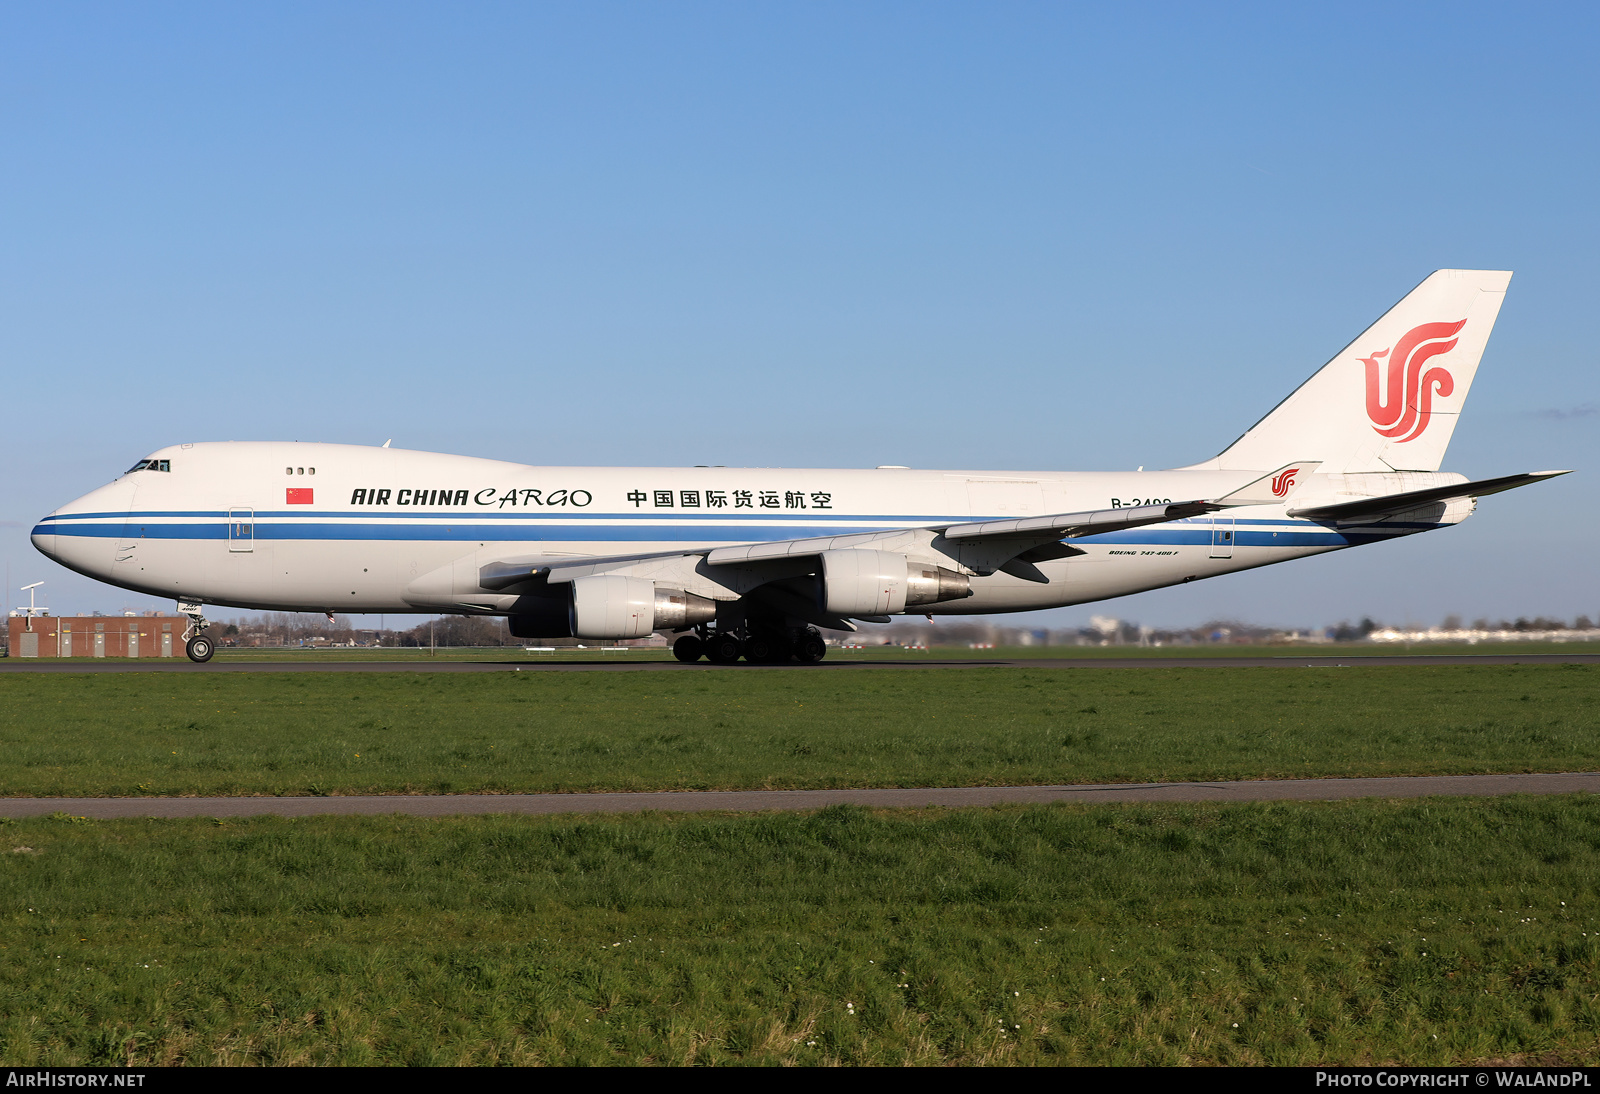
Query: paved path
x=834, y=663
x=754, y=801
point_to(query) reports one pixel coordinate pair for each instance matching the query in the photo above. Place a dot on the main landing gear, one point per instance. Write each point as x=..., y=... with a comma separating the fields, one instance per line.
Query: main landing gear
x=768, y=647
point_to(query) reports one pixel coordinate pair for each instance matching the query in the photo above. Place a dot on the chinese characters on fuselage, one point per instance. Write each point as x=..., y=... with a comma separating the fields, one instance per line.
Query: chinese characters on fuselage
x=732, y=499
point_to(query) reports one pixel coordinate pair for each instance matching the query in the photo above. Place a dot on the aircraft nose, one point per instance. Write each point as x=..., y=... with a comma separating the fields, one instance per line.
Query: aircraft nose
x=76, y=534
x=44, y=539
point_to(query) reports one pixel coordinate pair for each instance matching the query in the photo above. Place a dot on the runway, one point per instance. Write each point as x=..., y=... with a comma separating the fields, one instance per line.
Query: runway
x=761, y=801
x=832, y=664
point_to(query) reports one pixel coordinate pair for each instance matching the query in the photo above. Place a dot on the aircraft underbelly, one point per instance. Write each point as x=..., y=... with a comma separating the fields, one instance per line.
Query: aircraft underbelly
x=354, y=576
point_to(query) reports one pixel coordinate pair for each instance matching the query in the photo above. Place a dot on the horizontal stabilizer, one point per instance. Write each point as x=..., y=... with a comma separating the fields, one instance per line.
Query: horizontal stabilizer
x=1389, y=504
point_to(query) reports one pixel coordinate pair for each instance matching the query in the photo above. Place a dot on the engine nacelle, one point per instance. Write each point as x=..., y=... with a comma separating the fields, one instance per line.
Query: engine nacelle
x=542, y=616
x=884, y=583
x=612, y=606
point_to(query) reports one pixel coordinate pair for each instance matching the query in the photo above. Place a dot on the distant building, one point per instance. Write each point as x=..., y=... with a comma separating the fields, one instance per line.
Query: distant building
x=97, y=636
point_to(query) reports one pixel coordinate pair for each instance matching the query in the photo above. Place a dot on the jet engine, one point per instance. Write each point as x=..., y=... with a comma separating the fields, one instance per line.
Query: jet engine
x=861, y=583
x=608, y=606
x=612, y=606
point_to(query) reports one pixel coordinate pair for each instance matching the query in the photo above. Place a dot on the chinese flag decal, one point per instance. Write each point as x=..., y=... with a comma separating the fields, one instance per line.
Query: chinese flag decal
x=298, y=495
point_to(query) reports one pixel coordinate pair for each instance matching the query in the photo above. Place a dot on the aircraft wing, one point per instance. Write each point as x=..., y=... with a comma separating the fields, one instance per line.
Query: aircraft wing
x=1009, y=538
x=1012, y=545
x=1390, y=504
x=504, y=573
x=1026, y=532
x=1037, y=529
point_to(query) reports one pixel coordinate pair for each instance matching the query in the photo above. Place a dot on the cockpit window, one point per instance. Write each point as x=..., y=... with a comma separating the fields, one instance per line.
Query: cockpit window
x=150, y=465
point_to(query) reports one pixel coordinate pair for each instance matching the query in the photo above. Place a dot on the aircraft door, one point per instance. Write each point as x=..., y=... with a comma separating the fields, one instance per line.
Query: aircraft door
x=1222, y=537
x=241, y=529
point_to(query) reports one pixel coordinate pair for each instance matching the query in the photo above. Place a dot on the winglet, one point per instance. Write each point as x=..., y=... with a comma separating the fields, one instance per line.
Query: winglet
x=1272, y=488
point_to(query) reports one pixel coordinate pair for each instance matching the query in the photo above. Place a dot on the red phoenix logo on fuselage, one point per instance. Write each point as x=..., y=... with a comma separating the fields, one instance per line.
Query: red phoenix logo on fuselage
x=1402, y=406
x=1282, y=481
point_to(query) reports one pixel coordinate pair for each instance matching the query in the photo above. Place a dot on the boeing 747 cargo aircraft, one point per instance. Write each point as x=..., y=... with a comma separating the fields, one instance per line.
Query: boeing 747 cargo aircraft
x=744, y=562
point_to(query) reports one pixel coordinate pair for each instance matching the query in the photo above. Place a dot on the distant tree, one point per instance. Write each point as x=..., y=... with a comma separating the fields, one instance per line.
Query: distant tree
x=1582, y=623
x=1452, y=623
x=458, y=630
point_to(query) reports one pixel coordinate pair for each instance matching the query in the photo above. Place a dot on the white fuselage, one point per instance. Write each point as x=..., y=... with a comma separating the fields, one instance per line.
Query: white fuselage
x=344, y=528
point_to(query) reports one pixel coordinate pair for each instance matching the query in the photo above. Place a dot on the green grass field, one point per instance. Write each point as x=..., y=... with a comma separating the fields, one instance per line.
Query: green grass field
x=1415, y=932
x=278, y=733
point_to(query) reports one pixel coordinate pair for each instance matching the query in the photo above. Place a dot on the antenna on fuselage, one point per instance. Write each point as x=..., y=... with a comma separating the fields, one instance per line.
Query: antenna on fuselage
x=387, y=443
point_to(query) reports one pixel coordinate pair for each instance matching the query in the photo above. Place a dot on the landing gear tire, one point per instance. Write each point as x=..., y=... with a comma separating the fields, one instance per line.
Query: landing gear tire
x=810, y=649
x=723, y=649
x=768, y=649
x=200, y=648
x=688, y=648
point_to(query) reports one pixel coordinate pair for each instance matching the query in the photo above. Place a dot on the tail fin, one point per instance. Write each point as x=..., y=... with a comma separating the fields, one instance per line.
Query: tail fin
x=1388, y=401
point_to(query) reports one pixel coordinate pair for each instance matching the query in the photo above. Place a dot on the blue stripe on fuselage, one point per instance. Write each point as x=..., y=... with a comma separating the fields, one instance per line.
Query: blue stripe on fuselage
x=1247, y=533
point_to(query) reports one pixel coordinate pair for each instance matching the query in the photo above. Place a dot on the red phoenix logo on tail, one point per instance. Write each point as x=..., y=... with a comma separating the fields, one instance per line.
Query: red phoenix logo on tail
x=1282, y=481
x=1402, y=406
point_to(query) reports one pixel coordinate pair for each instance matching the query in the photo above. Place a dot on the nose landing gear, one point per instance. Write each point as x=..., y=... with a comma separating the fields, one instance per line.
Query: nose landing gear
x=199, y=647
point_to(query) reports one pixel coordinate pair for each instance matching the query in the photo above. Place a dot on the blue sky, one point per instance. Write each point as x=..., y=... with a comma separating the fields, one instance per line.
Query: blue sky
x=985, y=235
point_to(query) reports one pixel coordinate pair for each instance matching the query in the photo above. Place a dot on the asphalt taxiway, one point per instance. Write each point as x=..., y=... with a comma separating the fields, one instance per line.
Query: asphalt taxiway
x=761, y=801
x=312, y=663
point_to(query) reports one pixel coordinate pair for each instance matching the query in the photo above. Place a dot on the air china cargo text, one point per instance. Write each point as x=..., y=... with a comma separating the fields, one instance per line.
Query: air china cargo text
x=488, y=497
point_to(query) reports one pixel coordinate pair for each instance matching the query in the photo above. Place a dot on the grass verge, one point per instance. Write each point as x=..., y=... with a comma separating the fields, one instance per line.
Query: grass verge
x=282, y=733
x=1440, y=931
